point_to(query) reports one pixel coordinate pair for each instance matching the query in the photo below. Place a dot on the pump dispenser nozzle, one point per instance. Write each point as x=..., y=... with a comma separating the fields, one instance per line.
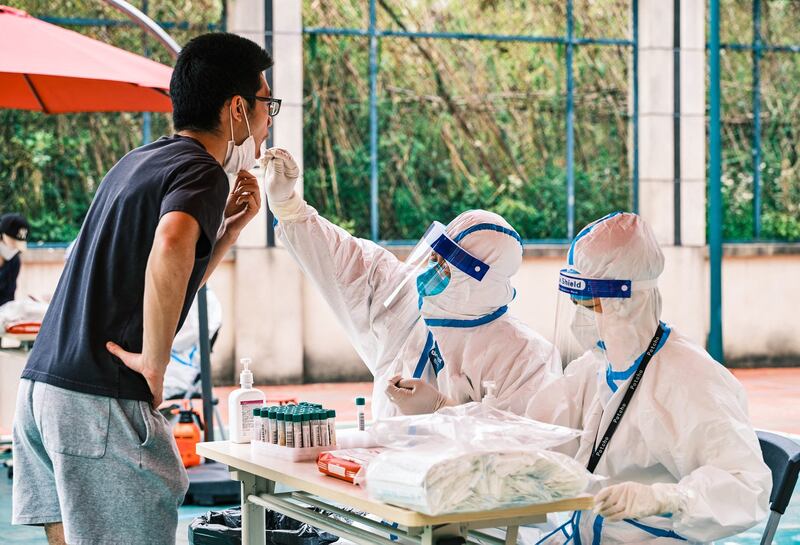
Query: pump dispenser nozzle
x=246, y=377
x=489, y=386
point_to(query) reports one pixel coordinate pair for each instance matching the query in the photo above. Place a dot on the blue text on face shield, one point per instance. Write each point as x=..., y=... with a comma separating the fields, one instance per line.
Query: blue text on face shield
x=433, y=280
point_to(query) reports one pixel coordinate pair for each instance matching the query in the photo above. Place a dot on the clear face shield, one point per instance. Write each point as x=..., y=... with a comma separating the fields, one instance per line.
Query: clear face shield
x=431, y=265
x=579, y=313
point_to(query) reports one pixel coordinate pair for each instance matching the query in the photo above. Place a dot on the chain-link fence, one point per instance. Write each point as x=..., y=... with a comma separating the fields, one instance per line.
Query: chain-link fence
x=760, y=70
x=417, y=111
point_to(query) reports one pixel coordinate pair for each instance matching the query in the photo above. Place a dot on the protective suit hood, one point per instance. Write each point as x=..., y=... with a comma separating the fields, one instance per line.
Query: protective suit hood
x=490, y=238
x=616, y=247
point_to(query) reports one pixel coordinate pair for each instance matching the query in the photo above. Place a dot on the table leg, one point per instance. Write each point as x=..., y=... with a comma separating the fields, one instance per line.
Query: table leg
x=512, y=532
x=253, y=519
x=431, y=535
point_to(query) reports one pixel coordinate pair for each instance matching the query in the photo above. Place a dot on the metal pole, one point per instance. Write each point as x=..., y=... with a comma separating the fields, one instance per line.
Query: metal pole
x=715, y=188
x=676, y=119
x=148, y=25
x=635, y=17
x=570, y=126
x=757, y=119
x=146, y=116
x=269, y=46
x=373, y=123
x=205, y=364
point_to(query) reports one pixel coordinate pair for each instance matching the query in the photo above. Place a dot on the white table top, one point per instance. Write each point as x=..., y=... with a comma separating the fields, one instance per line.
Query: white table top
x=306, y=477
x=21, y=337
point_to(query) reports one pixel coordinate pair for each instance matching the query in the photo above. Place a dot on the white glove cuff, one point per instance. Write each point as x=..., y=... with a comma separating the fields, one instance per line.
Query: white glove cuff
x=670, y=498
x=289, y=209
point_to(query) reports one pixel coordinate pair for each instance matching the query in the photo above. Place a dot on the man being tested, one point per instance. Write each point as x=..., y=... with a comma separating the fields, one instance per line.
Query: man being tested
x=93, y=461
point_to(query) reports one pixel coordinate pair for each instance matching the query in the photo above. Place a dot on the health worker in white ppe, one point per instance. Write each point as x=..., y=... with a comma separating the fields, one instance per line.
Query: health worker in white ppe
x=666, y=423
x=433, y=328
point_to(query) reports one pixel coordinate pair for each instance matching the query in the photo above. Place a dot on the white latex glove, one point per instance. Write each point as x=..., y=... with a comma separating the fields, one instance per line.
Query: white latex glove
x=634, y=500
x=415, y=396
x=281, y=175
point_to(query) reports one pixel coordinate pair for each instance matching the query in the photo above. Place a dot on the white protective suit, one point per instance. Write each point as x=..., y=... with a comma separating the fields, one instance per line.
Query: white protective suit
x=687, y=424
x=184, y=359
x=460, y=337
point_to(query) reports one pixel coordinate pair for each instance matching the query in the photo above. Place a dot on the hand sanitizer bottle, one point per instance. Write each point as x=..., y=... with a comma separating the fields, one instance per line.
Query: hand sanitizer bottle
x=489, y=399
x=241, y=403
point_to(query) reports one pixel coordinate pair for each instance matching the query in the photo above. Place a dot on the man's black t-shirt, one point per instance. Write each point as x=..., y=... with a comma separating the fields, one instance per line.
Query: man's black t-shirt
x=100, y=295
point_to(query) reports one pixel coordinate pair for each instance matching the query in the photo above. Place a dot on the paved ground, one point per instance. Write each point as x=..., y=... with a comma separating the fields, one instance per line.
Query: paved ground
x=773, y=395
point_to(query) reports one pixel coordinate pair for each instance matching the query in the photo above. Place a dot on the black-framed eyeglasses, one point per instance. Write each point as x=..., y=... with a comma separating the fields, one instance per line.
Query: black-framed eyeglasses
x=274, y=104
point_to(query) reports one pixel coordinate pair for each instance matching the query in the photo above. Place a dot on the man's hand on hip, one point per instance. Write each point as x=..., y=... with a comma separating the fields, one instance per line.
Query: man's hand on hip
x=153, y=374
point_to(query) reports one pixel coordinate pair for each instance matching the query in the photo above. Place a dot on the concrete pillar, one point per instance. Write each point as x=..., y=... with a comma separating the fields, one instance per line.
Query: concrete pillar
x=684, y=283
x=656, y=116
x=246, y=18
x=693, y=123
x=288, y=76
x=268, y=285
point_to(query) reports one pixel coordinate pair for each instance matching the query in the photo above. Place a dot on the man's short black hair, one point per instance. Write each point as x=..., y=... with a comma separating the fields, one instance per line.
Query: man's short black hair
x=211, y=69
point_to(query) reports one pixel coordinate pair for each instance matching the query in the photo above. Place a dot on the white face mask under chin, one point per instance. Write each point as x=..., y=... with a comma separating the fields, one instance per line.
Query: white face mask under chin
x=243, y=156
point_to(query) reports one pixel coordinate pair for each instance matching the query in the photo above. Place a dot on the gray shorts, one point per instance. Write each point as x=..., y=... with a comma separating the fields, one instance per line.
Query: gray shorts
x=107, y=468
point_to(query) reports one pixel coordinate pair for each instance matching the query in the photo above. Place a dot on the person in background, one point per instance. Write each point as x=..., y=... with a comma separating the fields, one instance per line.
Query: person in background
x=14, y=229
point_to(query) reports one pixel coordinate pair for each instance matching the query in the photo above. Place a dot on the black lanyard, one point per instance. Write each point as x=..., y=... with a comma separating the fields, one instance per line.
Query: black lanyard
x=626, y=400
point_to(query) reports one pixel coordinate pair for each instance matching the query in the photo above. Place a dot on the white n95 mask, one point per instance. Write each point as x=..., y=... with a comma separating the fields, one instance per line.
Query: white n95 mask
x=584, y=328
x=243, y=156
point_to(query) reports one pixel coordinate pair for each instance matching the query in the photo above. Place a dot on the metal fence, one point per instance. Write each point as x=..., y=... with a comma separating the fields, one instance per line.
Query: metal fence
x=760, y=125
x=571, y=41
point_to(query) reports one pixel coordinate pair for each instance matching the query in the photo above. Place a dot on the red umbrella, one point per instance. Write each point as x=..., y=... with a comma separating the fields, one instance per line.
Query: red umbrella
x=48, y=68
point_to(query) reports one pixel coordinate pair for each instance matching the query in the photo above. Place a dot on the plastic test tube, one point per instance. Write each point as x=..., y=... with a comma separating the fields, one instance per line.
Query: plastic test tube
x=263, y=437
x=264, y=431
x=324, y=436
x=360, y=407
x=273, y=424
x=280, y=416
x=316, y=441
x=255, y=433
x=297, y=419
x=306, y=430
x=332, y=427
x=289, y=418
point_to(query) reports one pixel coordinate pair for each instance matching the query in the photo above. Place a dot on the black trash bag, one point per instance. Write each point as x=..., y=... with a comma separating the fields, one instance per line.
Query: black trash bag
x=217, y=528
x=225, y=528
x=283, y=530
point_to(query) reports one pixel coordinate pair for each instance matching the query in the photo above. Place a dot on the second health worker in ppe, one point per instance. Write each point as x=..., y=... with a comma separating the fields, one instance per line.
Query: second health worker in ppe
x=440, y=317
x=683, y=461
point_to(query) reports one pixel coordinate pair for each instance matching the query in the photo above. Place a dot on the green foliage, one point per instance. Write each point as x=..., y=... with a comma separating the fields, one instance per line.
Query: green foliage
x=779, y=164
x=51, y=165
x=466, y=124
x=462, y=124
